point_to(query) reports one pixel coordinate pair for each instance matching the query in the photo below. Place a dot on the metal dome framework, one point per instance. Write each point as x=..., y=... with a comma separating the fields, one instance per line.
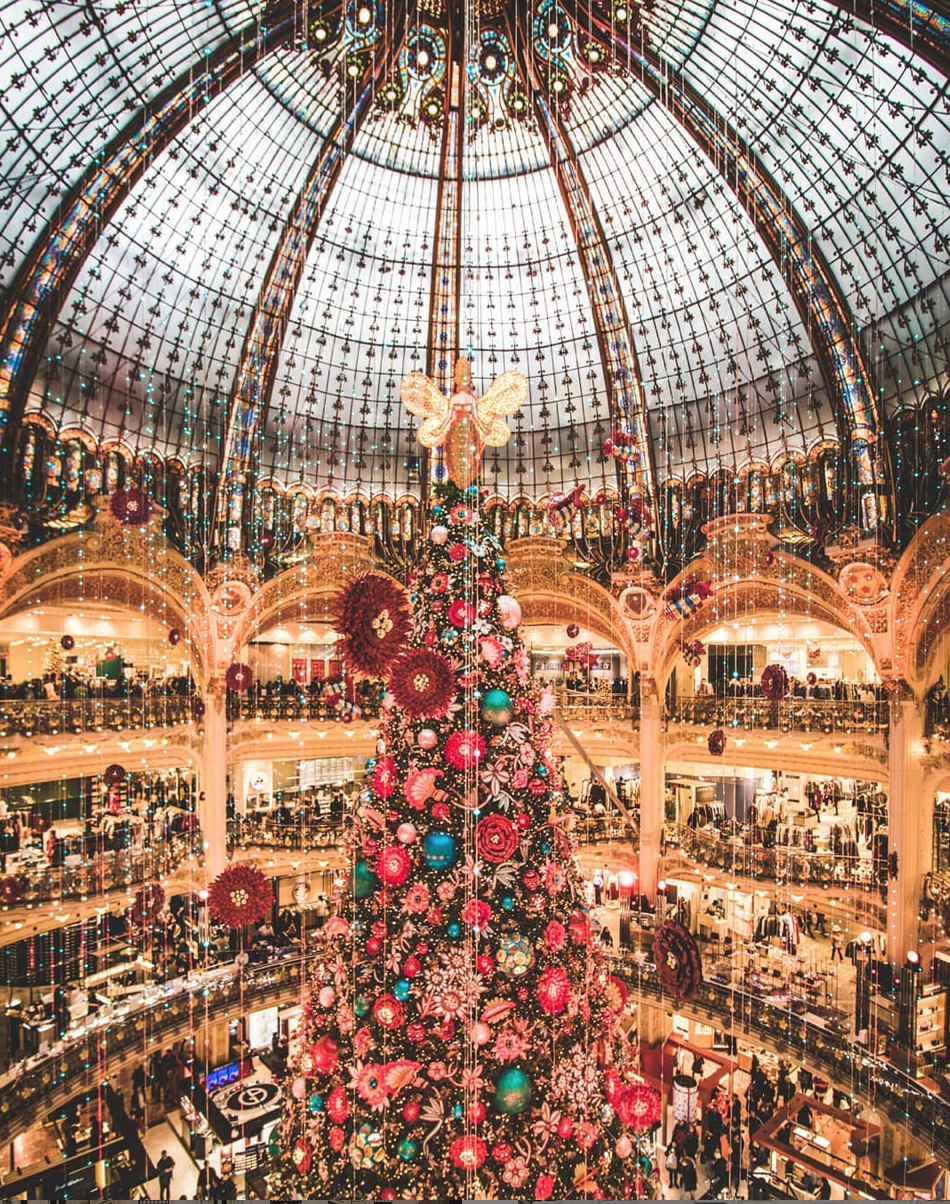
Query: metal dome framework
x=230, y=230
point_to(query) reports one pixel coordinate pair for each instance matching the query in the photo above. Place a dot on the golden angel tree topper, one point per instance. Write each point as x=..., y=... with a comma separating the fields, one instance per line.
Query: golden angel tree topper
x=463, y=424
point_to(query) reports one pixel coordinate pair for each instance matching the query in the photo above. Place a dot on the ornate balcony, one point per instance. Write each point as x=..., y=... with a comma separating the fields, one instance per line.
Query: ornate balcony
x=753, y=713
x=55, y=717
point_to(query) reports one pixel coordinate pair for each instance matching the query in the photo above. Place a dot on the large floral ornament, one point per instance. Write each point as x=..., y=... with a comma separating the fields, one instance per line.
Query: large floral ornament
x=464, y=749
x=637, y=1107
x=717, y=742
x=240, y=895
x=468, y=1153
x=148, y=903
x=372, y=616
x=515, y=956
x=774, y=682
x=302, y=1155
x=554, y=990
x=239, y=677
x=679, y=965
x=423, y=683
x=131, y=506
x=393, y=865
x=496, y=839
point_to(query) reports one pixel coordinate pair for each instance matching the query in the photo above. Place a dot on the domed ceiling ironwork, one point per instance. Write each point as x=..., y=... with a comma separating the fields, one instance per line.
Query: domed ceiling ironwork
x=230, y=230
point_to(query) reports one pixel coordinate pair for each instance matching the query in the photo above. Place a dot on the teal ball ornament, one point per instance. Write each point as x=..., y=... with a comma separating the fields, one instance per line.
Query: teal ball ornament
x=500, y=564
x=508, y=903
x=439, y=850
x=512, y=1091
x=362, y=881
x=361, y=1006
x=370, y=764
x=402, y=989
x=316, y=1103
x=496, y=707
x=407, y=1149
x=454, y=931
x=458, y=1111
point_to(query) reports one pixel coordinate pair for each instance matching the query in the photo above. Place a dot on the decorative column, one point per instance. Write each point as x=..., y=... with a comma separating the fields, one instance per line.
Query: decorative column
x=652, y=787
x=213, y=792
x=908, y=839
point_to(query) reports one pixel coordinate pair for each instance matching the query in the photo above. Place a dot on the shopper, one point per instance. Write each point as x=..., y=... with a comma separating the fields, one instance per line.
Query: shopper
x=836, y=943
x=166, y=1164
x=672, y=1165
x=598, y=883
x=688, y=1179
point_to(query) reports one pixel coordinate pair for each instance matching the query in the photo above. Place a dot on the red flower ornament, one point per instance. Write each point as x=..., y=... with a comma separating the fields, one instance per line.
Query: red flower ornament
x=423, y=683
x=554, y=990
x=464, y=749
x=131, y=506
x=496, y=839
x=638, y=1107
x=393, y=865
x=240, y=895
x=372, y=615
x=239, y=677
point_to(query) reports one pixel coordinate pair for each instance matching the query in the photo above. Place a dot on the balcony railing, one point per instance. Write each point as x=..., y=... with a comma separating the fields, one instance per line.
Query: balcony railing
x=54, y=717
x=34, y=1088
x=267, y=832
x=96, y=873
x=295, y=707
x=790, y=715
x=595, y=706
x=741, y=853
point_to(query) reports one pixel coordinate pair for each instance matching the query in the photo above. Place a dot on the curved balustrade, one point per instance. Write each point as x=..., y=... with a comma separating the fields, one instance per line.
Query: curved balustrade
x=30, y=1091
x=596, y=706
x=96, y=874
x=36, y=1087
x=298, y=707
x=54, y=717
x=265, y=832
x=821, y=717
x=876, y=1081
x=740, y=853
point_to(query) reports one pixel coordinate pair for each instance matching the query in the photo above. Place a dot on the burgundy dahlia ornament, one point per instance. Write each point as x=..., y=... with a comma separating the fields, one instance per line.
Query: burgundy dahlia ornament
x=114, y=774
x=174, y=636
x=240, y=895
x=239, y=677
x=132, y=506
x=372, y=616
x=423, y=683
x=573, y=631
x=717, y=742
x=679, y=965
x=148, y=903
x=198, y=708
x=774, y=682
x=67, y=643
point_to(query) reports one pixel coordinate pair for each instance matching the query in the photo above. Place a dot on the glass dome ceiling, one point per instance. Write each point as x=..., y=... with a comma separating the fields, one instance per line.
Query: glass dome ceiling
x=268, y=246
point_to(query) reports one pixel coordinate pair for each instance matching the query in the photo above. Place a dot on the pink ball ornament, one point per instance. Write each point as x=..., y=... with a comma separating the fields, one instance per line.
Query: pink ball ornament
x=624, y=1147
x=481, y=1033
x=406, y=833
x=299, y=1088
x=326, y=997
x=509, y=611
x=427, y=738
x=439, y=534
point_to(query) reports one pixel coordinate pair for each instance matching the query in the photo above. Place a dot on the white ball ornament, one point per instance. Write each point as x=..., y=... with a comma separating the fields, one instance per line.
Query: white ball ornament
x=509, y=611
x=326, y=997
x=624, y=1147
x=481, y=1033
x=427, y=738
x=439, y=534
x=406, y=833
x=299, y=1088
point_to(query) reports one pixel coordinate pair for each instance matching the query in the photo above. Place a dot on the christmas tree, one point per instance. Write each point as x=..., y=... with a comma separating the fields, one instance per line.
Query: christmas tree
x=462, y=1035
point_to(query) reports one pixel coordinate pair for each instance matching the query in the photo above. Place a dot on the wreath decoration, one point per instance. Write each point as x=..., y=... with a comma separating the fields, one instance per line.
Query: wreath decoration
x=240, y=895
x=717, y=742
x=131, y=506
x=239, y=677
x=148, y=903
x=774, y=682
x=679, y=965
x=372, y=615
